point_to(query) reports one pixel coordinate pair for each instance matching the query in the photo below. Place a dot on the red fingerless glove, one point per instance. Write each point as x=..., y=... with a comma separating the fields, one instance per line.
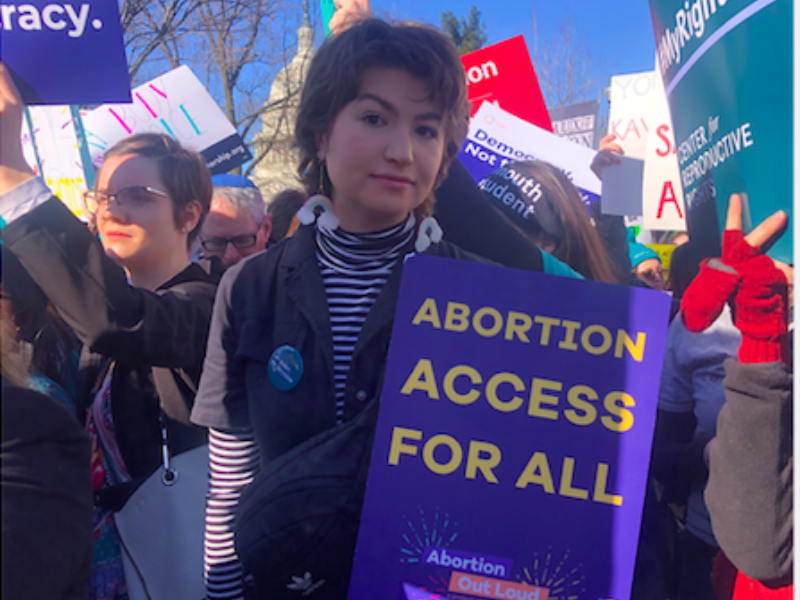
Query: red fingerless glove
x=758, y=291
x=706, y=296
x=717, y=282
x=760, y=312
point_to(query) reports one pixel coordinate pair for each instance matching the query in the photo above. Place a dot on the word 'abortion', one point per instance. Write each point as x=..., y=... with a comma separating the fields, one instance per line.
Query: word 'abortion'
x=521, y=327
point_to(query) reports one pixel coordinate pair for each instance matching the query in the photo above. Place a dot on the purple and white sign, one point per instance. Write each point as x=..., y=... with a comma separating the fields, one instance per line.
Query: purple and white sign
x=514, y=435
x=497, y=137
x=65, y=53
x=175, y=104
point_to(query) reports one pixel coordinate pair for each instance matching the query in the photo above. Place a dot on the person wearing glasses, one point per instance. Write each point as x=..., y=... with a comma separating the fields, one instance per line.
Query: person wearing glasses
x=646, y=264
x=139, y=306
x=237, y=224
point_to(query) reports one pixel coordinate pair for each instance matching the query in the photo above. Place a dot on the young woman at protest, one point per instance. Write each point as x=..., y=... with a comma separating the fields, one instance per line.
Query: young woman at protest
x=141, y=309
x=382, y=115
x=548, y=208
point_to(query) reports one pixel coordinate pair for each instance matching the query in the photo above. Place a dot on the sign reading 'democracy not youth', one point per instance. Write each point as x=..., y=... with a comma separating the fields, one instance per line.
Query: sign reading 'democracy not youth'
x=178, y=105
x=497, y=137
x=65, y=53
x=503, y=74
x=513, y=439
x=727, y=67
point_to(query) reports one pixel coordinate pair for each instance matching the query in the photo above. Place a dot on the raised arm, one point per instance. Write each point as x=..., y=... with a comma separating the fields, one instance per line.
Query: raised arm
x=162, y=328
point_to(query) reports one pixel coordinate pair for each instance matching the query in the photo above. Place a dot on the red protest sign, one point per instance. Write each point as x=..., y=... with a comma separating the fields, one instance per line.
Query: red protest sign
x=503, y=73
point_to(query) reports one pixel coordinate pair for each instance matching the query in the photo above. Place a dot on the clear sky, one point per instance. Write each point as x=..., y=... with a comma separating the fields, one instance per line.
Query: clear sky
x=618, y=33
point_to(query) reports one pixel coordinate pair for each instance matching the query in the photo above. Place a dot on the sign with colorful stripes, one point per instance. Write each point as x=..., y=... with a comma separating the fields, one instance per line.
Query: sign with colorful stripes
x=178, y=105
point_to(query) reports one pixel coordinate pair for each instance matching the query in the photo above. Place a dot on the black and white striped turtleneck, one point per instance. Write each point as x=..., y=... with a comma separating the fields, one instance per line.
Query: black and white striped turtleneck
x=354, y=268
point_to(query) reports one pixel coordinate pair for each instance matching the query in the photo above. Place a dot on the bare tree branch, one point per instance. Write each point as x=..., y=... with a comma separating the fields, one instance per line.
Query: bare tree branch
x=235, y=47
x=564, y=65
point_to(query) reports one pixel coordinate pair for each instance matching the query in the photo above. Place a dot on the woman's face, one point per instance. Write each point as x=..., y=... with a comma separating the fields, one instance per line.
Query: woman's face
x=384, y=151
x=137, y=234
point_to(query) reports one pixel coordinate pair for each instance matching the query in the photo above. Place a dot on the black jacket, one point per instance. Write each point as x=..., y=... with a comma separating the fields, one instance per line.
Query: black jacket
x=154, y=341
x=47, y=499
x=278, y=298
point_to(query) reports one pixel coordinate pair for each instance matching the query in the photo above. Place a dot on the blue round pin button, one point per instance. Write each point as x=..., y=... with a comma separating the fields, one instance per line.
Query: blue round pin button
x=285, y=368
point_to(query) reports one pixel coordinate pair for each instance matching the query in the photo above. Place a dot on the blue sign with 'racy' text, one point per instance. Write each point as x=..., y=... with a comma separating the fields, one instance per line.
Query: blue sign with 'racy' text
x=513, y=437
x=65, y=52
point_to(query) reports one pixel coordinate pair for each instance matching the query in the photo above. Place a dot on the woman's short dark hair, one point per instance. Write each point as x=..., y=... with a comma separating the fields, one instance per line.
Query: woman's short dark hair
x=336, y=73
x=183, y=172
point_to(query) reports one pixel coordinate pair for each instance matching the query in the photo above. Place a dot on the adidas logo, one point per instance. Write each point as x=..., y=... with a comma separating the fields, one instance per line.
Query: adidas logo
x=305, y=584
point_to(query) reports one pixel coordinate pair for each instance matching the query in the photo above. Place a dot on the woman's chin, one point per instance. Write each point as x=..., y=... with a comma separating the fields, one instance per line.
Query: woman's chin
x=118, y=255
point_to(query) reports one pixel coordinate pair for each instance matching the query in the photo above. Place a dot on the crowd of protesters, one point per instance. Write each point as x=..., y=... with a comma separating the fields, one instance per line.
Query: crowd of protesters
x=166, y=322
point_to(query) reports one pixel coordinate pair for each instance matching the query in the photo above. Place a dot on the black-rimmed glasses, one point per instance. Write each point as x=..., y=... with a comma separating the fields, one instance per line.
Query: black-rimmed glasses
x=133, y=196
x=240, y=242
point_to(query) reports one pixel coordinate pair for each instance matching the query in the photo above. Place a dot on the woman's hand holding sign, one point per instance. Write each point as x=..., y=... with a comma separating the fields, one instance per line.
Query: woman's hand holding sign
x=607, y=155
x=348, y=11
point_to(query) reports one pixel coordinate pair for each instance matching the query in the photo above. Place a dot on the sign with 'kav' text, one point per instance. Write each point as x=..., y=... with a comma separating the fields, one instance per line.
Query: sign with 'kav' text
x=728, y=73
x=65, y=52
x=497, y=138
x=639, y=119
x=175, y=104
x=503, y=75
x=513, y=440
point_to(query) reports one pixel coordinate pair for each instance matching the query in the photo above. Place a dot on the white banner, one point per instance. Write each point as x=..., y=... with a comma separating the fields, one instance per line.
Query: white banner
x=639, y=117
x=176, y=104
x=497, y=137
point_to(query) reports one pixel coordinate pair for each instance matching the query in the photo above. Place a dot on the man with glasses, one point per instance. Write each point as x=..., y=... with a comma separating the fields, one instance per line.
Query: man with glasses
x=237, y=224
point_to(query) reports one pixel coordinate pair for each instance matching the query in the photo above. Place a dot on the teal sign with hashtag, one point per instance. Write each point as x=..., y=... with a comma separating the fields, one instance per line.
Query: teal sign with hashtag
x=727, y=68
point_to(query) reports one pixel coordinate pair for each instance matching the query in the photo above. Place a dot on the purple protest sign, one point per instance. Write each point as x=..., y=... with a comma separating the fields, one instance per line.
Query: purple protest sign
x=514, y=435
x=65, y=53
